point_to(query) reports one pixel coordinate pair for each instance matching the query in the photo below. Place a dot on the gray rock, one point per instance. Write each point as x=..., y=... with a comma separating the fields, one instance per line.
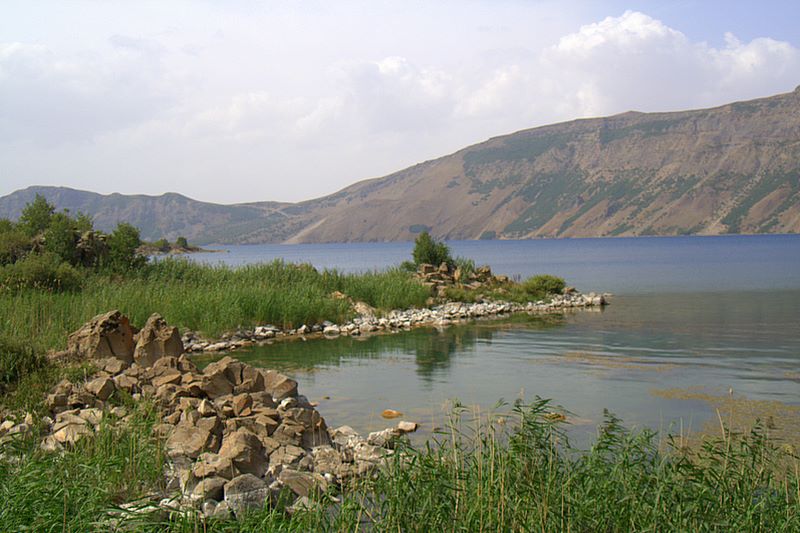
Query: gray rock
x=209, y=488
x=246, y=492
x=302, y=483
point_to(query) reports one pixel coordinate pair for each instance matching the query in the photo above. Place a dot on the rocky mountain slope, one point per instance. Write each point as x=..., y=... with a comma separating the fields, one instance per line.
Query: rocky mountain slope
x=730, y=169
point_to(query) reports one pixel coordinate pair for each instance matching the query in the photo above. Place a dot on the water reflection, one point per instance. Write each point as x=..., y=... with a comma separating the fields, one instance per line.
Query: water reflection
x=432, y=349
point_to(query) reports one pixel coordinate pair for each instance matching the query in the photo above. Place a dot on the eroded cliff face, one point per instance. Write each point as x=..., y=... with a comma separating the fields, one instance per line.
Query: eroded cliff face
x=731, y=169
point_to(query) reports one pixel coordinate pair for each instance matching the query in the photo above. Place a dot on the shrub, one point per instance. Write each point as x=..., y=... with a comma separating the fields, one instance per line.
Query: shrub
x=40, y=271
x=181, y=242
x=543, y=285
x=14, y=244
x=122, y=245
x=429, y=250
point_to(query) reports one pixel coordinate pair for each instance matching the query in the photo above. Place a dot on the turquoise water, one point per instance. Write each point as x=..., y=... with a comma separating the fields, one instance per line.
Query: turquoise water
x=703, y=314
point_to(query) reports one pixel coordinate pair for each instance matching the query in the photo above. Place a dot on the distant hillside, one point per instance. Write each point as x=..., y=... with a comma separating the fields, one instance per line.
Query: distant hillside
x=169, y=215
x=730, y=169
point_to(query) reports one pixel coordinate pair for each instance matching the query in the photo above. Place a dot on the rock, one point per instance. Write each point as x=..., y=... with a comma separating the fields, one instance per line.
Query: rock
x=172, y=377
x=246, y=492
x=300, y=504
x=92, y=416
x=206, y=408
x=331, y=331
x=103, y=388
x=286, y=455
x=127, y=383
x=245, y=451
x=407, y=427
x=212, y=464
x=326, y=460
x=302, y=483
x=229, y=367
x=189, y=440
x=106, y=335
x=209, y=488
x=279, y=386
x=384, y=438
x=242, y=404
x=391, y=413
x=222, y=511
x=70, y=432
x=157, y=340
x=112, y=365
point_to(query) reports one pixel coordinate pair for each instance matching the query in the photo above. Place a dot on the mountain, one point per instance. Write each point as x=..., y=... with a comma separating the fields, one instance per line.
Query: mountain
x=730, y=169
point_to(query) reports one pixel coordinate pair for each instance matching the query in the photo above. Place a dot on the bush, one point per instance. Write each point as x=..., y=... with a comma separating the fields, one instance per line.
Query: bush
x=182, y=243
x=544, y=285
x=14, y=244
x=429, y=250
x=122, y=245
x=40, y=271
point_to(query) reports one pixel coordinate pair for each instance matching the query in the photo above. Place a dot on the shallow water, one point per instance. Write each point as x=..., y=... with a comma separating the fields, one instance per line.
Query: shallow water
x=717, y=315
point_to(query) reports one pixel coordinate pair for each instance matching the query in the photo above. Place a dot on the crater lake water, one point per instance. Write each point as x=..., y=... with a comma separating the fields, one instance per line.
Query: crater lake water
x=694, y=324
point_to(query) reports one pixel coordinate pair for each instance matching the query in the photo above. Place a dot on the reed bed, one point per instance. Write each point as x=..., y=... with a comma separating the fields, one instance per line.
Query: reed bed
x=474, y=476
x=210, y=299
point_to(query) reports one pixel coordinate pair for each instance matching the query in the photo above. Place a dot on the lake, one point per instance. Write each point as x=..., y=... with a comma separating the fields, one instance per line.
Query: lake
x=699, y=328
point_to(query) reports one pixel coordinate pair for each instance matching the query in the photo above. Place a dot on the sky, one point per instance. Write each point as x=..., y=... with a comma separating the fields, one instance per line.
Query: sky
x=242, y=101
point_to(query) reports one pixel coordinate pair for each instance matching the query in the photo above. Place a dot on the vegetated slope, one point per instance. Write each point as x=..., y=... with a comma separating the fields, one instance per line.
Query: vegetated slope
x=730, y=169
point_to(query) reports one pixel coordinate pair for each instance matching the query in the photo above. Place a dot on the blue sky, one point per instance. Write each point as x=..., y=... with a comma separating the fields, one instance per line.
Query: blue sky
x=246, y=101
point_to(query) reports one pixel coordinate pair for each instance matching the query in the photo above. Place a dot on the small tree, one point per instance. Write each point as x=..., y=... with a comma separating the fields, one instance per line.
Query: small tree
x=36, y=216
x=162, y=245
x=122, y=245
x=61, y=239
x=429, y=250
x=182, y=243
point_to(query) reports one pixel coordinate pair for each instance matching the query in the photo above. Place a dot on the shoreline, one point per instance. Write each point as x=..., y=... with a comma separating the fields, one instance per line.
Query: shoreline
x=367, y=323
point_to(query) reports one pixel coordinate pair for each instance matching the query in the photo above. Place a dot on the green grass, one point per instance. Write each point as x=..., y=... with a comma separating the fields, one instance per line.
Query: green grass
x=210, y=299
x=75, y=490
x=476, y=475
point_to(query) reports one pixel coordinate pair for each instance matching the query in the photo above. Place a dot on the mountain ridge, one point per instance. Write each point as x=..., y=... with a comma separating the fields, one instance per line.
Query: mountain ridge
x=734, y=168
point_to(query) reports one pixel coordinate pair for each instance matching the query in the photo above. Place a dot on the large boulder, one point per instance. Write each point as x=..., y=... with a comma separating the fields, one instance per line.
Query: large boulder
x=157, y=340
x=106, y=335
x=245, y=451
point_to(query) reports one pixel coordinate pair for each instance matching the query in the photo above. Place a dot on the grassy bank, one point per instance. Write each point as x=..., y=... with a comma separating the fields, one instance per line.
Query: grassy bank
x=210, y=299
x=477, y=477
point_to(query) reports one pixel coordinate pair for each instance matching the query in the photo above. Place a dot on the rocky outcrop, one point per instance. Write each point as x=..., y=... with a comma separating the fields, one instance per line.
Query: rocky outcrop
x=236, y=436
x=157, y=340
x=106, y=335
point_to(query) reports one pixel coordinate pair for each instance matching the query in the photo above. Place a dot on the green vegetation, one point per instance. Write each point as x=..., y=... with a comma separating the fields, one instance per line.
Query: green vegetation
x=543, y=285
x=210, y=299
x=474, y=476
x=76, y=491
x=428, y=250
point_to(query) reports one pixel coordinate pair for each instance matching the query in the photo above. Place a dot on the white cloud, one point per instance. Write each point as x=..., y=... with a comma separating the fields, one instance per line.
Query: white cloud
x=179, y=111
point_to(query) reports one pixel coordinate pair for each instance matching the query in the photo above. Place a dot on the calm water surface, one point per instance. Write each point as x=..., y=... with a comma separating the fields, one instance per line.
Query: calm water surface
x=703, y=314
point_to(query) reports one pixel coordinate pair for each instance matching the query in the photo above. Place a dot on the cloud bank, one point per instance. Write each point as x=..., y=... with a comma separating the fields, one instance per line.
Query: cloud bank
x=217, y=120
